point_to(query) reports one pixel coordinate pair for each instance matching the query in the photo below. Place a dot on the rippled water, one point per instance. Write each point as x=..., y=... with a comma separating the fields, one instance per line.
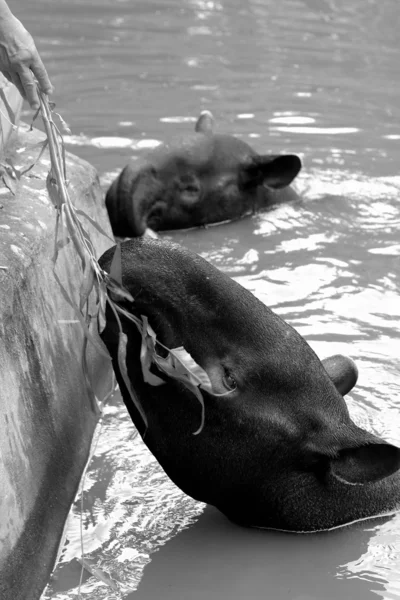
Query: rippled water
x=316, y=77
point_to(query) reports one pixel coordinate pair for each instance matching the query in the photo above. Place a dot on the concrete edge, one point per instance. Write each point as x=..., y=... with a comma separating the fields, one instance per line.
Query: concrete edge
x=46, y=411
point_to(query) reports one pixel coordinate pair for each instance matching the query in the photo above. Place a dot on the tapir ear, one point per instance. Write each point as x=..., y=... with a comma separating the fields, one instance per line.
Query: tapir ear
x=205, y=123
x=275, y=172
x=343, y=372
x=366, y=464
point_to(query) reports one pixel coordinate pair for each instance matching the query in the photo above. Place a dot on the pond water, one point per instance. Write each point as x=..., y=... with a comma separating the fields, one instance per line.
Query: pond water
x=314, y=77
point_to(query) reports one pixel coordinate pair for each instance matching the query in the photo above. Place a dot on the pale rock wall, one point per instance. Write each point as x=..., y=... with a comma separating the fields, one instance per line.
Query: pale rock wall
x=46, y=413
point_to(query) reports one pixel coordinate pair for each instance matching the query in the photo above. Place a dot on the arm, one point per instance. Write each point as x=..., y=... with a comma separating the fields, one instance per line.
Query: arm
x=19, y=59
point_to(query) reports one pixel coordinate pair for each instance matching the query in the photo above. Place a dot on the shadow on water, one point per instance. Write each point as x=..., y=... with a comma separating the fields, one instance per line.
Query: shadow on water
x=217, y=560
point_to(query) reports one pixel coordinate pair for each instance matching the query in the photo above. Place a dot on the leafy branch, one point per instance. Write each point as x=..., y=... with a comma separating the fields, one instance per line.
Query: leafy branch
x=101, y=288
x=106, y=287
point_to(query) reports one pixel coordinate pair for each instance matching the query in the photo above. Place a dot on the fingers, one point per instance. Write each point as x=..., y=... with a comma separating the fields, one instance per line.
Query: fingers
x=26, y=85
x=21, y=62
x=24, y=81
x=29, y=86
x=14, y=78
x=39, y=70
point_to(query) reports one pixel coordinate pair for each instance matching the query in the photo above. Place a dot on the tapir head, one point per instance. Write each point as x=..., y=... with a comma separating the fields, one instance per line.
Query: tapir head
x=197, y=179
x=278, y=448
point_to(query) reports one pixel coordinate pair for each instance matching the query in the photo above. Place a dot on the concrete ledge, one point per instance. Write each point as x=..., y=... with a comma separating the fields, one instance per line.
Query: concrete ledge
x=46, y=414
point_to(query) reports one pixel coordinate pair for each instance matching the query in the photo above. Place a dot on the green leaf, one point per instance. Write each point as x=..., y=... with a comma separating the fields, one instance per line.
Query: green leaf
x=114, y=280
x=172, y=366
x=178, y=364
x=35, y=116
x=147, y=352
x=117, y=292
x=64, y=126
x=122, y=345
x=80, y=317
x=196, y=374
x=95, y=224
x=203, y=413
x=9, y=176
x=44, y=146
x=53, y=191
x=99, y=574
x=59, y=244
x=9, y=182
x=67, y=218
x=87, y=286
x=116, y=265
x=102, y=290
x=89, y=387
x=126, y=314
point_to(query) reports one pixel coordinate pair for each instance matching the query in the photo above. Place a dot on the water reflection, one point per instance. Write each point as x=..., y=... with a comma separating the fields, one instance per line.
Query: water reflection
x=259, y=564
x=137, y=61
x=380, y=561
x=128, y=509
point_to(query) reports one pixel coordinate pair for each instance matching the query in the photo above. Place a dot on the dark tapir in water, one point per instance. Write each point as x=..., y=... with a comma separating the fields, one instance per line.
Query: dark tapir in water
x=199, y=179
x=280, y=450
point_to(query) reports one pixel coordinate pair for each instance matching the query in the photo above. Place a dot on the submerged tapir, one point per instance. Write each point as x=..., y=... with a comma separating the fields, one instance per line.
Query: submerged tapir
x=198, y=179
x=280, y=450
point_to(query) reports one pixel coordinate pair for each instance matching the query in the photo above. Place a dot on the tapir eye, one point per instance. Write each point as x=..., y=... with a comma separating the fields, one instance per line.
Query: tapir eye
x=229, y=381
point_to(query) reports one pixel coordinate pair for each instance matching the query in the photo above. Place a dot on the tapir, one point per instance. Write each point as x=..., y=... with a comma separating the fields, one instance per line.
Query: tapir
x=198, y=179
x=278, y=448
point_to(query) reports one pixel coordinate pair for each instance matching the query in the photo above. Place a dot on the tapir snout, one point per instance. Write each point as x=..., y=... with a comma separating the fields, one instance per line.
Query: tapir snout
x=198, y=179
x=278, y=448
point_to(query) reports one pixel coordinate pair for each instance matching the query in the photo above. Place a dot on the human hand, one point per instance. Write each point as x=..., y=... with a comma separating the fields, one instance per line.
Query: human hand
x=20, y=61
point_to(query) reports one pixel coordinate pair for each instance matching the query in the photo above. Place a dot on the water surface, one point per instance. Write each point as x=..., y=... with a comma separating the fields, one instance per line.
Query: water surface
x=319, y=78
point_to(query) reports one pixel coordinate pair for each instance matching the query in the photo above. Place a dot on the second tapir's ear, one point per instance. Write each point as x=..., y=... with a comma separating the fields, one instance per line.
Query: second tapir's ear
x=205, y=123
x=366, y=464
x=275, y=172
